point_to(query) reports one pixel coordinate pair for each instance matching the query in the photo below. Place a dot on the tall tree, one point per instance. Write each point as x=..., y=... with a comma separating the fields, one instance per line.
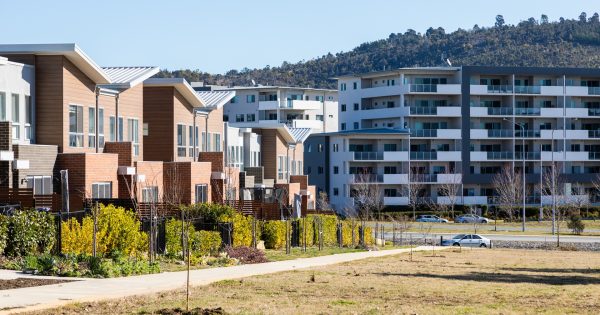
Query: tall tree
x=499, y=21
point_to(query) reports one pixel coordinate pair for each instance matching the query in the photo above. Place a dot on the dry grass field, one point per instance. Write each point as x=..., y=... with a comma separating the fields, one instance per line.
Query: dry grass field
x=451, y=282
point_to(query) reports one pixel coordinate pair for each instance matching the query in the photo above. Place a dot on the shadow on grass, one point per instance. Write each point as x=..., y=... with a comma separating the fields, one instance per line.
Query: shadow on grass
x=505, y=278
x=556, y=270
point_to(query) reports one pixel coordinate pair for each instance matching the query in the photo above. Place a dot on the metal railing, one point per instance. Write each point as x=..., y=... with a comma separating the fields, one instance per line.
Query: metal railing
x=429, y=155
x=423, y=88
x=423, y=133
x=594, y=133
x=500, y=133
x=423, y=178
x=593, y=90
x=415, y=110
x=500, y=155
x=367, y=178
x=533, y=89
x=594, y=155
x=499, y=88
x=527, y=111
x=528, y=155
x=500, y=111
x=594, y=112
x=527, y=134
x=368, y=156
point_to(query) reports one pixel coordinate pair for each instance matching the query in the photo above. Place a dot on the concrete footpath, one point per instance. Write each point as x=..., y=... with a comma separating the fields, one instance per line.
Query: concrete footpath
x=88, y=290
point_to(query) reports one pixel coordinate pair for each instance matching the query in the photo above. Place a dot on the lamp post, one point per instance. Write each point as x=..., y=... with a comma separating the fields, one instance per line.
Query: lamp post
x=522, y=126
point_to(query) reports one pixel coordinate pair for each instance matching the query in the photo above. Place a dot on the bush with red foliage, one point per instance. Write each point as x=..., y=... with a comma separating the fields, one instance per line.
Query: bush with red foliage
x=246, y=255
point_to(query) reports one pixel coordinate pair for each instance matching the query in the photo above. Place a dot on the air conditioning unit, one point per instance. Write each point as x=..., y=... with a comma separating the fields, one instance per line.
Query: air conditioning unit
x=20, y=164
x=126, y=170
x=7, y=155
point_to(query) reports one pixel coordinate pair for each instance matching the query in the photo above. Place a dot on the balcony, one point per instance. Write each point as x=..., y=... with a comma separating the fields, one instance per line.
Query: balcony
x=594, y=134
x=414, y=110
x=499, y=155
x=367, y=178
x=424, y=133
x=527, y=133
x=523, y=111
x=395, y=156
x=534, y=89
x=499, y=89
x=305, y=123
x=499, y=133
x=594, y=90
x=268, y=105
x=368, y=156
x=436, y=133
x=395, y=201
x=451, y=178
x=423, y=88
x=430, y=155
x=499, y=111
x=301, y=105
x=395, y=179
x=528, y=155
x=423, y=178
x=380, y=91
x=594, y=156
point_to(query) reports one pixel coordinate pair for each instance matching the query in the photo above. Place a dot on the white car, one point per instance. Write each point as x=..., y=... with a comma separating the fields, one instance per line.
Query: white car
x=473, y=240
x=431, y=218
x=471, y=218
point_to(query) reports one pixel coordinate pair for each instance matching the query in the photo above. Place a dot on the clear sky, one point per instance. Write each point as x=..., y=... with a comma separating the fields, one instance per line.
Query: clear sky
x=219, y=35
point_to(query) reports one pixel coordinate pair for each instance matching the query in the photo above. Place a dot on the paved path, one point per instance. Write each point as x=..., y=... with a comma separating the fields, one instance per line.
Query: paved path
x=36, y=298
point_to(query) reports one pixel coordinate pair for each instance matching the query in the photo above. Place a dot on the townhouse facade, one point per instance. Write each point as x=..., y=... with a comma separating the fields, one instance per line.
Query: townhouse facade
x=429, y=127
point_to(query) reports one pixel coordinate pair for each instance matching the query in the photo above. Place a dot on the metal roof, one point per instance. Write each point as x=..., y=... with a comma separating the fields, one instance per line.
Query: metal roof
x=274, y=87
x=300, y=134
x=215, y=99
x=127, y=77
x=181, y=85
x=409, y=70
x=368, y=131
x=71, y=51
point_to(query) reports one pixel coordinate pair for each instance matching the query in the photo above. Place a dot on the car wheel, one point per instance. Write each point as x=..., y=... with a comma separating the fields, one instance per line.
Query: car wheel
x=455, y=244
x=483, y=222
x=483, y=245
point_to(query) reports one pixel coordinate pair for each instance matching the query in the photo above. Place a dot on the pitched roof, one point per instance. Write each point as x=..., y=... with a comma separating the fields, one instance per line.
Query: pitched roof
x=215, y=99
x=71, y=51
x=368, y=131
x=181, y=85
x=300, y=134
x=274, y=87
x=127, y=77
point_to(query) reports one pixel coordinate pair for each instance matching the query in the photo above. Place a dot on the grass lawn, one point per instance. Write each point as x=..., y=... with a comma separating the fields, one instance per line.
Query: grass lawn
x=468, y=282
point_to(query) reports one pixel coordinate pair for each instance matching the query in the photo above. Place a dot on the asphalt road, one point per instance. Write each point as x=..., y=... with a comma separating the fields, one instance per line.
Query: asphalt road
x=462, y=228
x=502, y=237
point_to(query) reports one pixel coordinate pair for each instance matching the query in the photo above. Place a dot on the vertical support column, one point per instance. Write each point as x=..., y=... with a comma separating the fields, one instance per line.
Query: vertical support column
x=117, y=118
x=97, y=120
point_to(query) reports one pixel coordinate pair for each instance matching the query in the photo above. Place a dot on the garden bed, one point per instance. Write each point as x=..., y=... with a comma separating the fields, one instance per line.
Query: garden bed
x=7, y=284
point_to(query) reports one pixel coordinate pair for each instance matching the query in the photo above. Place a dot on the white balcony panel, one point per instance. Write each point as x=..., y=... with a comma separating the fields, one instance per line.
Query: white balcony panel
x=551, y=90
x=306, y=105
x=449, y=134
x=577, y=91
x=384, y=113
x=548, y=200
x=479, y=89
x=551, y=112
x=449, y=178
x=394, y=156
x=474, y=200
x=453, y=89
x=395, y=201
x=479, y=134
x=571, y=134
x=479, y=112
x=478, y=156
x=449, y=111
x=7, y=155
x=577, y=156
x=558, y=156
x=449, y=156
x=381, y=91
x=577, y=112
x=20, y=164
x=268, y=105
x=395, y=179
x=314, y=124
x=126, y=170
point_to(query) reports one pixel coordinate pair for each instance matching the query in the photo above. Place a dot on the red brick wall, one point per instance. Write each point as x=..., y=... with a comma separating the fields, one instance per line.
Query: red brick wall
x=123, y=149
x=154, y=176
x=302, y=179
x=215, y=158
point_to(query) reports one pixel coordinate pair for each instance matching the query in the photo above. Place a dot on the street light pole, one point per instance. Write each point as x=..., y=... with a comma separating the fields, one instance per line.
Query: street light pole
x=522, y=126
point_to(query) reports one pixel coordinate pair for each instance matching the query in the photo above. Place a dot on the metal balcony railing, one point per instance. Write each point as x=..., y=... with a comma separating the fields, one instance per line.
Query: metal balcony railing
x=423, y=178
x=500, y=155
x=527, y=134
x=499, y=88
x=594, y=90
x=430, y=155
x=368, y=156
x=594, y=133
x=528, y=155
x=367, y=178
x=500, y=133
x=527, y=111
x=500, y=111
x=534, y=89
x=415, y=110
x=594, y=112
x=423, y=88
x=423, y=133
x=594, y=155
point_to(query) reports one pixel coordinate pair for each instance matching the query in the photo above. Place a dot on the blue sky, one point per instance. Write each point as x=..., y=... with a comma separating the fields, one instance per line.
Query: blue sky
x=219, y=35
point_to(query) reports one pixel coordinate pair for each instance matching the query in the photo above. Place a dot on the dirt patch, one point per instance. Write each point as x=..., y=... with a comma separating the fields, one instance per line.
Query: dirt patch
x=27, y=282
x=194, y=311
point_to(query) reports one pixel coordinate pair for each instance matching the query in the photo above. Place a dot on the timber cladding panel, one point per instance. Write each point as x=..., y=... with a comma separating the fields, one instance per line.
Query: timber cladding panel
x=42, y=159
x=272, y=146
x=123, y=149
x=131, y=105
x=182, y=114
x=158, y=114
x=49, y=109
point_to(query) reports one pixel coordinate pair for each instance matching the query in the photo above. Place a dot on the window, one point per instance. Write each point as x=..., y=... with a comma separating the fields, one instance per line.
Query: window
x=41, y=185
x=111, y=126
x=102, y=190
x=320, y=170
x=134, y=135
x=201, y=193
x=390, y=192
x=390, y=170
x=272, y=116
x=336, y=191
x=342, y=86
x=335, y=147
x=343, y=126
x=2, y=106
x=150, y=194
x=191, y=141
x=250, y=98
x=234, y=100
x=574, y=147
x=390, y=147
x=16, y=128
x=180, y=140
x=336, y=170
x=355, y=106
x=225, y=118
x=343, y=107
x=354, y=85
x=548, y=147
x=208, y=147
x=92, y=127
x=308, y=170
x=217, y=137
x=319, y=98
x=319, y=117
x=320, y=147
x=28, y=118
x=239, y=118
x=282, y=167
x=294, y=167
x=75, y=126
x=250, y=117
x=355, y=125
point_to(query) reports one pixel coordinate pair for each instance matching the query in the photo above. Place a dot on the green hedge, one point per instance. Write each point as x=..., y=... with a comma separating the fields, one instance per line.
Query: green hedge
x=347, y=228
x=27, y=232
x=273, y=233
x=202, y=243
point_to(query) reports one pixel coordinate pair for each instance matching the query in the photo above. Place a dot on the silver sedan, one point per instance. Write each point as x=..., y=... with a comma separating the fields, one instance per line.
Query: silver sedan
x=473, y=240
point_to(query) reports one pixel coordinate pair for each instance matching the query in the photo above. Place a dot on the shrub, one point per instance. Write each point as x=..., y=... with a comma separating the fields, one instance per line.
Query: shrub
x=308, y=224
x=247, y=255
x=205, y=243
x=273, y=233
x=202, y=243
x=347, y=227
x=329, y=229
x=118, y=230
x=30, y=232
x=369, y=238
x=575, y=224
x=242, y=228
x=3, y=233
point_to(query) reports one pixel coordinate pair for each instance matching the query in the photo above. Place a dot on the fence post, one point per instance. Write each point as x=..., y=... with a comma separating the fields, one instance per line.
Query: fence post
x=287, y=237
x=254, y=232
x=59, y=235
x=95, y=229
x=393, y=234
x=304, y=231
x=353, y=236
x=382, y=235
x=339, y=234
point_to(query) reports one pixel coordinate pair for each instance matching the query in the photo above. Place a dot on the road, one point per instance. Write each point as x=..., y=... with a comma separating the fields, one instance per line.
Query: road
x=502, y=237
x=532, y=227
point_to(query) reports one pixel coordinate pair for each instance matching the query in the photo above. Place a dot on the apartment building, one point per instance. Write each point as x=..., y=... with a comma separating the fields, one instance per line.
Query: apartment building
x=267, y=106
x=462, y=125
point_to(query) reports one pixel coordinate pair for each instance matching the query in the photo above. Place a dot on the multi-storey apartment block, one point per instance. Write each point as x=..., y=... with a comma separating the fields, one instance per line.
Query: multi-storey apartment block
x=430, y=126
x=266, y=106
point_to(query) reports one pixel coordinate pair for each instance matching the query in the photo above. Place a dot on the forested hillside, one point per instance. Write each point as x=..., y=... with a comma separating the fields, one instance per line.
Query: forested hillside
x=566, y=42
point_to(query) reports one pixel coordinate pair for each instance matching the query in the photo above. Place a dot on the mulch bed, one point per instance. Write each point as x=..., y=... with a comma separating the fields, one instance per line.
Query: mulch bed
x=27, y=282
x=194, y=311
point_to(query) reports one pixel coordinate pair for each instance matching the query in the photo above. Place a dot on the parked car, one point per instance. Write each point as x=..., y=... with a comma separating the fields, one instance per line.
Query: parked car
x=474, y=240
x=471, y=218
x=431, y=218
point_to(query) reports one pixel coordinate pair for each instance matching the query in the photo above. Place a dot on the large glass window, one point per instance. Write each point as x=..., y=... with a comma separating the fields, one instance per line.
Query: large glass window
x=41, y=185
x=111, y=126
x=28, y=118
x=150, y=194
x=92, y=128
x=134, y=135
x=2, y=106
x=180, y=140
x=75, y=126
x=16, y=121
x=217, y=142
x=102, y=190
x=201, y=193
